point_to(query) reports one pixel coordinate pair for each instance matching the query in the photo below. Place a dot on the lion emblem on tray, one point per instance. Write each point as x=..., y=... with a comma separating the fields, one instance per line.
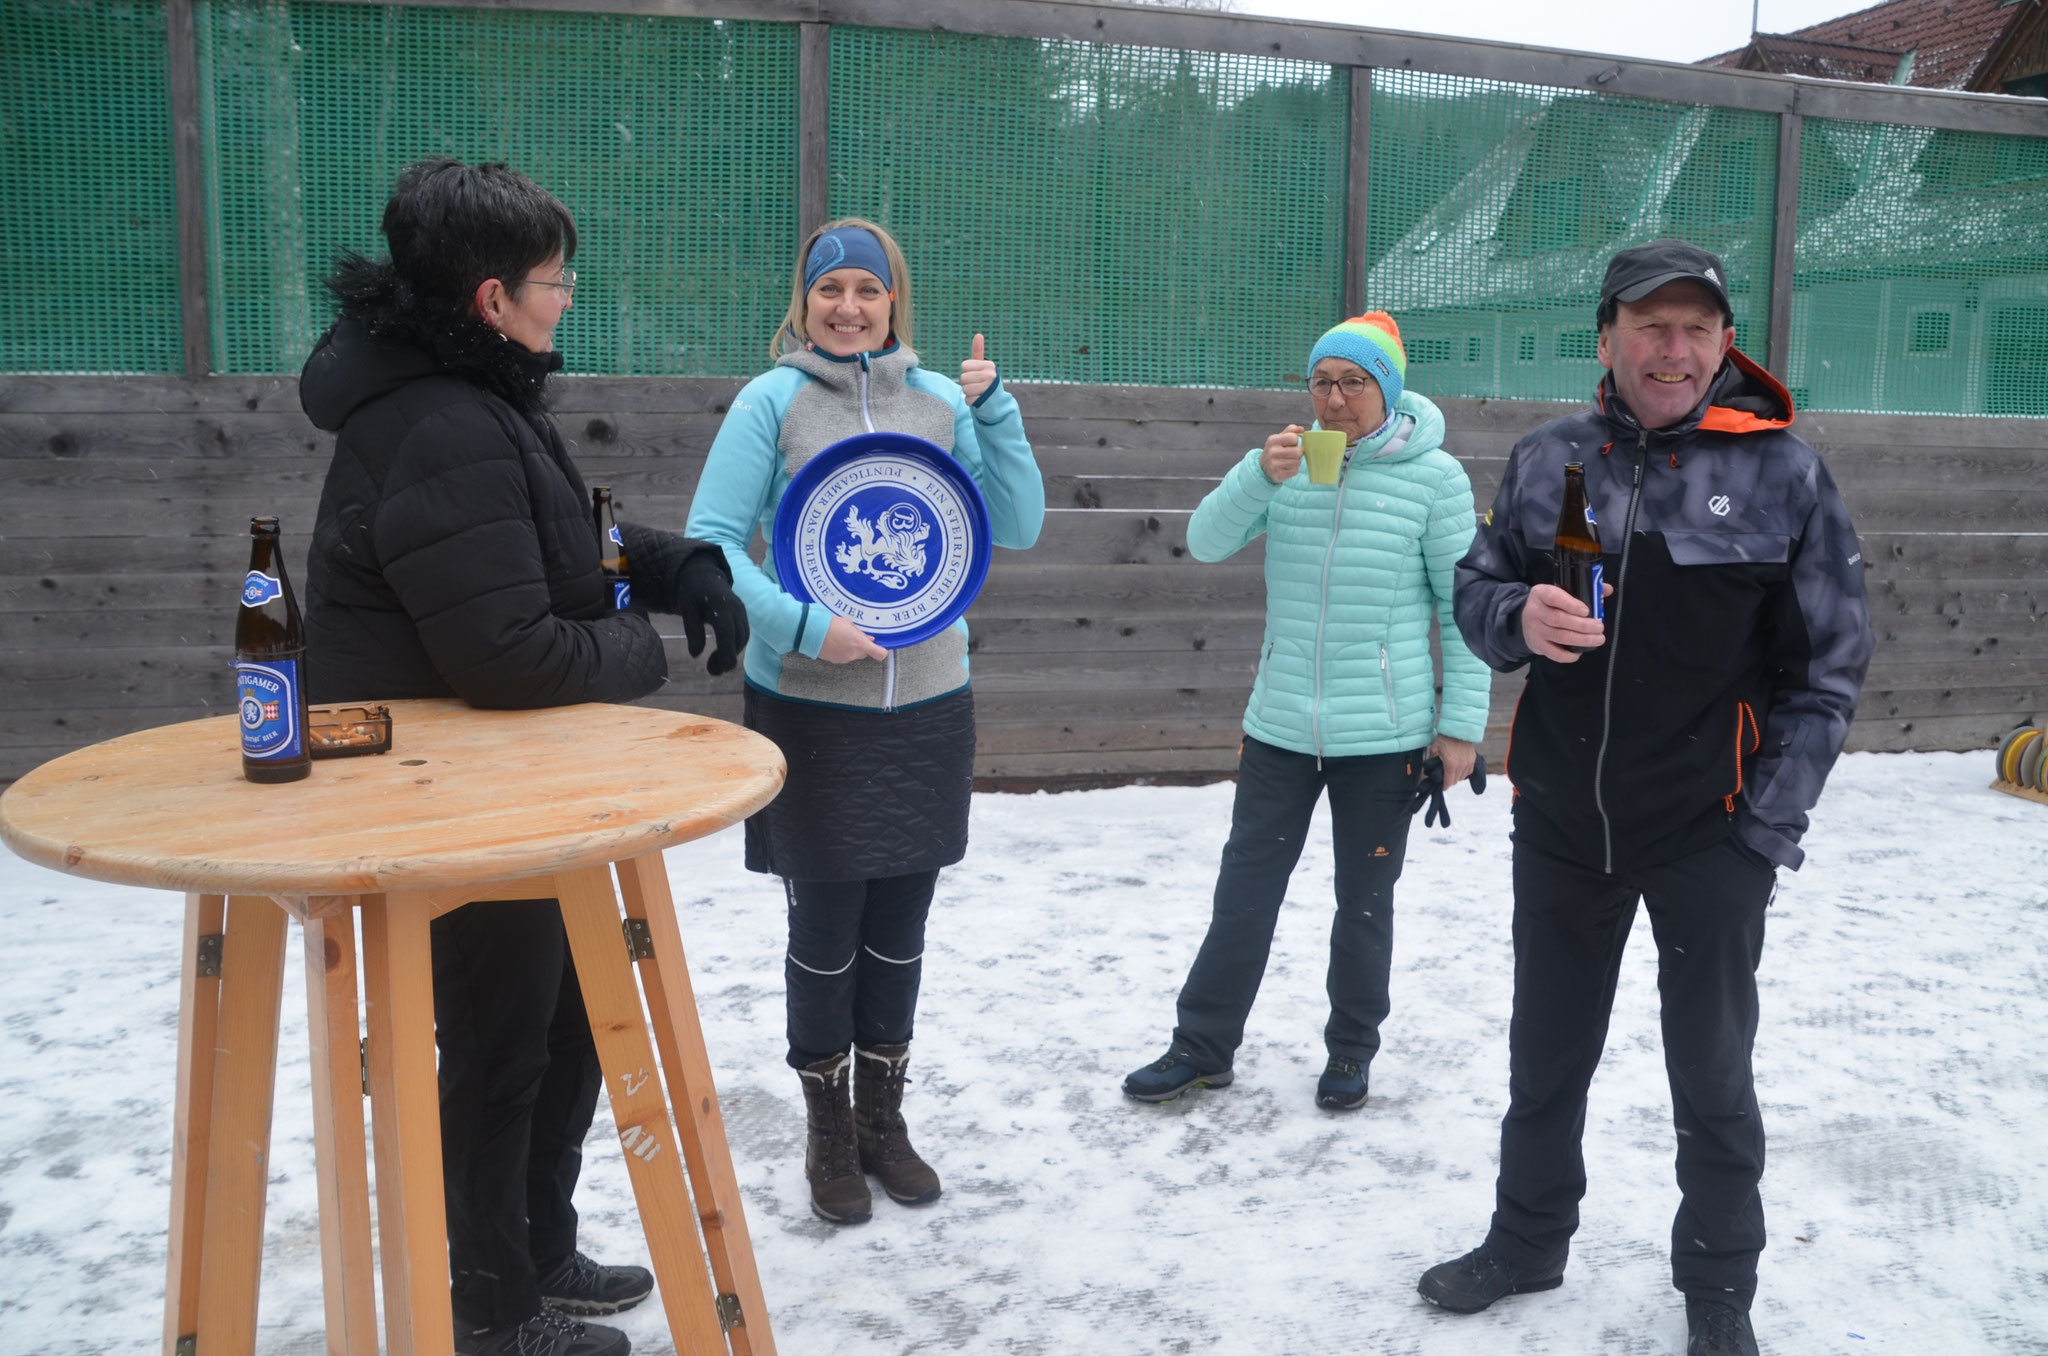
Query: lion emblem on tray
x=889, y=550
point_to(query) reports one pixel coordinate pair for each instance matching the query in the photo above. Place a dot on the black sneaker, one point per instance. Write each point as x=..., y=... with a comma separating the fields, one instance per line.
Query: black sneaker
x=1172, y=1074
x=1477, y=1279
x=577, y=1285
x=547, y=1333
x=1716, y=1329
x=1342, y=1086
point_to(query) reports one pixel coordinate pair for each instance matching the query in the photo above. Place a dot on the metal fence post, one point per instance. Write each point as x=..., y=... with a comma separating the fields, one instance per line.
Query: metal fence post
x=1784, y=251
x=188, y=187
x=814, y=127
x=1357, y=191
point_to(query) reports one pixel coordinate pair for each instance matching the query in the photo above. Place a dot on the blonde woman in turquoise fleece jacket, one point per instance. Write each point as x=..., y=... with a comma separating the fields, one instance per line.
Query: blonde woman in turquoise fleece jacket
x=879, y=744
x=1345, y=699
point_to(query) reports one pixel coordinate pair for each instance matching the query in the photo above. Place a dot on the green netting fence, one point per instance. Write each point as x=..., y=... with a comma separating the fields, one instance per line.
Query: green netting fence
x=1494, y=208
x=1103, y=213
x=86, y=205
x=1922, y=278
x=671, y=141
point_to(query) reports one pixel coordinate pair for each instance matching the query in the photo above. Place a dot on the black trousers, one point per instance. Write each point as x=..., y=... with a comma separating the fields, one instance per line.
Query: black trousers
x=856, y=955
x=1277, y=792
x=519, y=1082
x=1571, y=925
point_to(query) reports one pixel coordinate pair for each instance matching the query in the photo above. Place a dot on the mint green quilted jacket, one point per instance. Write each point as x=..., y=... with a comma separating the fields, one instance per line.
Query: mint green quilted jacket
x=1355, y=572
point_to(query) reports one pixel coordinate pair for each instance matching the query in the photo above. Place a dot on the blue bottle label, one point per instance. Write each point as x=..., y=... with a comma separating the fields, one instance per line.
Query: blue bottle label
x=268, y=694
x=1591, y=521
x=1599, y=571
x=622, y=593
x=617, y=540
x=260, y=588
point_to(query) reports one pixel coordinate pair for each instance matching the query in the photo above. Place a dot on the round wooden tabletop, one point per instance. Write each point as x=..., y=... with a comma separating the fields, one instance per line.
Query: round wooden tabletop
x=464, y=797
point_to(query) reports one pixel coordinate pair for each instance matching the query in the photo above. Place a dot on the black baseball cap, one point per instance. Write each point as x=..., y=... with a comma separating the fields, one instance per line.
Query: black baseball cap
x=1635, y=273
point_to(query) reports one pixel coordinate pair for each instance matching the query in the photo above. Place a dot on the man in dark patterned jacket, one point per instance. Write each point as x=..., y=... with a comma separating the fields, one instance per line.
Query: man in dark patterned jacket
x=1668, y=753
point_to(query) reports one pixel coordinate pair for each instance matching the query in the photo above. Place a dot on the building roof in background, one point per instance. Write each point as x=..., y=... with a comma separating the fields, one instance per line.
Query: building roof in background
x=1949, y=41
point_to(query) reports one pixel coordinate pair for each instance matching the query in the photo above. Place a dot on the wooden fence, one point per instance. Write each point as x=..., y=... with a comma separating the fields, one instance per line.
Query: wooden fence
x=1105, y=653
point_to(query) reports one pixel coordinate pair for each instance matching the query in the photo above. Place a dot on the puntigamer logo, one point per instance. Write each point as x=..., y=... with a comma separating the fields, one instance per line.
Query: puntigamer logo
x=269, y=708
x=260, y=588
x=886, y=542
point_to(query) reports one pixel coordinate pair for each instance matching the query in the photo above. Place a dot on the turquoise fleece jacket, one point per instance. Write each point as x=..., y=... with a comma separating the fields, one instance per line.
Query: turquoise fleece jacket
x=784, y=417
x=1355, y=572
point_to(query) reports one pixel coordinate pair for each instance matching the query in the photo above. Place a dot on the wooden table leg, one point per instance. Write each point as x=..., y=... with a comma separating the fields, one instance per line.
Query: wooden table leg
x=405, y=1112
x=198, y=1019
x=590, y=912
x=672, y=1004
x=334, y=1029
x=238, y=1141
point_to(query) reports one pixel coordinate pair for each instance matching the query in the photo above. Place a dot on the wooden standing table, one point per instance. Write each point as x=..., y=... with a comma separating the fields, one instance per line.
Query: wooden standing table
x=469, y=805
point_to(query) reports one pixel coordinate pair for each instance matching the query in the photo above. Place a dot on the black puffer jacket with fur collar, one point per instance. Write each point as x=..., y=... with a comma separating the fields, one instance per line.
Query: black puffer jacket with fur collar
x=454, y=553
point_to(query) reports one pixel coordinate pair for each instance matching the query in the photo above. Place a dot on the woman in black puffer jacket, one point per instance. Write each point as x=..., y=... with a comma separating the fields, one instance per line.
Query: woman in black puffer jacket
x=455, y=555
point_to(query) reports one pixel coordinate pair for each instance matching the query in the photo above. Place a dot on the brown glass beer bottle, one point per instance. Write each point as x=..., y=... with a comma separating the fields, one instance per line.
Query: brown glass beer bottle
x=270, y=658
x=611, y=548
x=1577, y=549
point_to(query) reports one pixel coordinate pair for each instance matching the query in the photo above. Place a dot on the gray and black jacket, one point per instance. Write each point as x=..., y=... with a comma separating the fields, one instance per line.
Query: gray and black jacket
x=786, y=416
x=1737, y=633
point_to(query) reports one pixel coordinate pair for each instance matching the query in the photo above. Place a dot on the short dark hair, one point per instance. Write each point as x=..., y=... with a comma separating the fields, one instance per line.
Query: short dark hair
x=452, y=226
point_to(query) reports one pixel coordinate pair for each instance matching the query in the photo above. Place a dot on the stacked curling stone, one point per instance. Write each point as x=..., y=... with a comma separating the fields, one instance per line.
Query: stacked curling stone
x=2023, y=759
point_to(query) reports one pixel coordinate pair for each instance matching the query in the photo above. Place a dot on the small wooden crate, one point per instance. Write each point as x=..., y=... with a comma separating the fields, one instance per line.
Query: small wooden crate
x=2023, y=792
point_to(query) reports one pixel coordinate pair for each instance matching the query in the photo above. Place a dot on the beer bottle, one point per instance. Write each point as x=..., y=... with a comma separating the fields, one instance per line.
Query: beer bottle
x=270, y=657
x=611, y=548
x=1579, y=566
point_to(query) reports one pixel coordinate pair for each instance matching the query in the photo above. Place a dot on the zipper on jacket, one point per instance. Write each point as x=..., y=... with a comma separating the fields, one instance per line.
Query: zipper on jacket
x=1315, y=710
x=888, y=664
x=1387, y=680
x=1628, y=532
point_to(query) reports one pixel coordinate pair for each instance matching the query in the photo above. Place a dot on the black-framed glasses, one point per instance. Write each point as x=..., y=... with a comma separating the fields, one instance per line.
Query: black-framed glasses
x=1352, y=387
x=567, y=284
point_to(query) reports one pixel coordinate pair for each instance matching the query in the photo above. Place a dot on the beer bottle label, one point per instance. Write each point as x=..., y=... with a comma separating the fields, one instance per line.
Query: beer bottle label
x=1591, y=521
x=260, y=588
x=1599, y=570
x=617, y=540
x=622, y=593
x=268, y=694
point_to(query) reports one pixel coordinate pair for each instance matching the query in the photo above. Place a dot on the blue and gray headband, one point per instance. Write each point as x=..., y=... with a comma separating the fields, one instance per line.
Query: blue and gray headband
x=847, y=247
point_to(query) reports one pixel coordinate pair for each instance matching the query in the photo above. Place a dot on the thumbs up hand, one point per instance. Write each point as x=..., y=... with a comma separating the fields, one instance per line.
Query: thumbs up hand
x=977, y=374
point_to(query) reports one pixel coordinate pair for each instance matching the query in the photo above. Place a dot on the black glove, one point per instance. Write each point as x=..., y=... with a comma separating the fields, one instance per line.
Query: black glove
x=1430, y=790
x=704, y=597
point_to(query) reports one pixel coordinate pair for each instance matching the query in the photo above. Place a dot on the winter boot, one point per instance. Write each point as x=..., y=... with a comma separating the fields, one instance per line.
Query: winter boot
x=577, y=1285
x=839, y=1193
x=1467, y=1284
x=1717, y=1329
x=885, y=1151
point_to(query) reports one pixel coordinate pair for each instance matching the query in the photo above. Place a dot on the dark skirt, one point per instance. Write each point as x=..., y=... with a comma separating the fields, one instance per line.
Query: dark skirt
x=869, y=793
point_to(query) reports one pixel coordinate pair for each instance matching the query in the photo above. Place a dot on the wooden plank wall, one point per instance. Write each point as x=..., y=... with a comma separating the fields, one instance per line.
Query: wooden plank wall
x=1105, y=653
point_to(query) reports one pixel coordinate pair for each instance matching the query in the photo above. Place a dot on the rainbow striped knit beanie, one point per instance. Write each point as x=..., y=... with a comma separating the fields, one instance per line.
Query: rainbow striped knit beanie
x=1373, y=341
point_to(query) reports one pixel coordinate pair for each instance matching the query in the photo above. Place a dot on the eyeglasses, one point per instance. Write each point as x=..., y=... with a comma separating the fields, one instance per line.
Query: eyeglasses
x=1353, y=387
x=567, y=284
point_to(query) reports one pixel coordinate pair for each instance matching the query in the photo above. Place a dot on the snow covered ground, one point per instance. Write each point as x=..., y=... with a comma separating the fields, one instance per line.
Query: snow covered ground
x=1905, y=987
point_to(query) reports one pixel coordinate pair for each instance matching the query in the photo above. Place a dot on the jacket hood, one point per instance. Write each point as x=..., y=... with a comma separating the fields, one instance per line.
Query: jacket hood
x=385, y=338
x=1417, y=427
x=843, y=374
x=1742, y=398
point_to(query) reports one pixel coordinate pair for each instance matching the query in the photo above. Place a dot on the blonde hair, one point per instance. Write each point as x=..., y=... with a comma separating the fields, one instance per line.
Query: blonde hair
x=789, y=336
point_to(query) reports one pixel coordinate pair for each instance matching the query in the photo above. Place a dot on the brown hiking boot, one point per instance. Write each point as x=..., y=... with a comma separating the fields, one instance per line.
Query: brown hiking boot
x=885, y=1150
x=839, y=1193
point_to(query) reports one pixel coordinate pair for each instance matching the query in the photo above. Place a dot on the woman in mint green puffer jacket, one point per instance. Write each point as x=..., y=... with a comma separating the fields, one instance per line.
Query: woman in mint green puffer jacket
x=1345, y=699
x=1354, y=573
